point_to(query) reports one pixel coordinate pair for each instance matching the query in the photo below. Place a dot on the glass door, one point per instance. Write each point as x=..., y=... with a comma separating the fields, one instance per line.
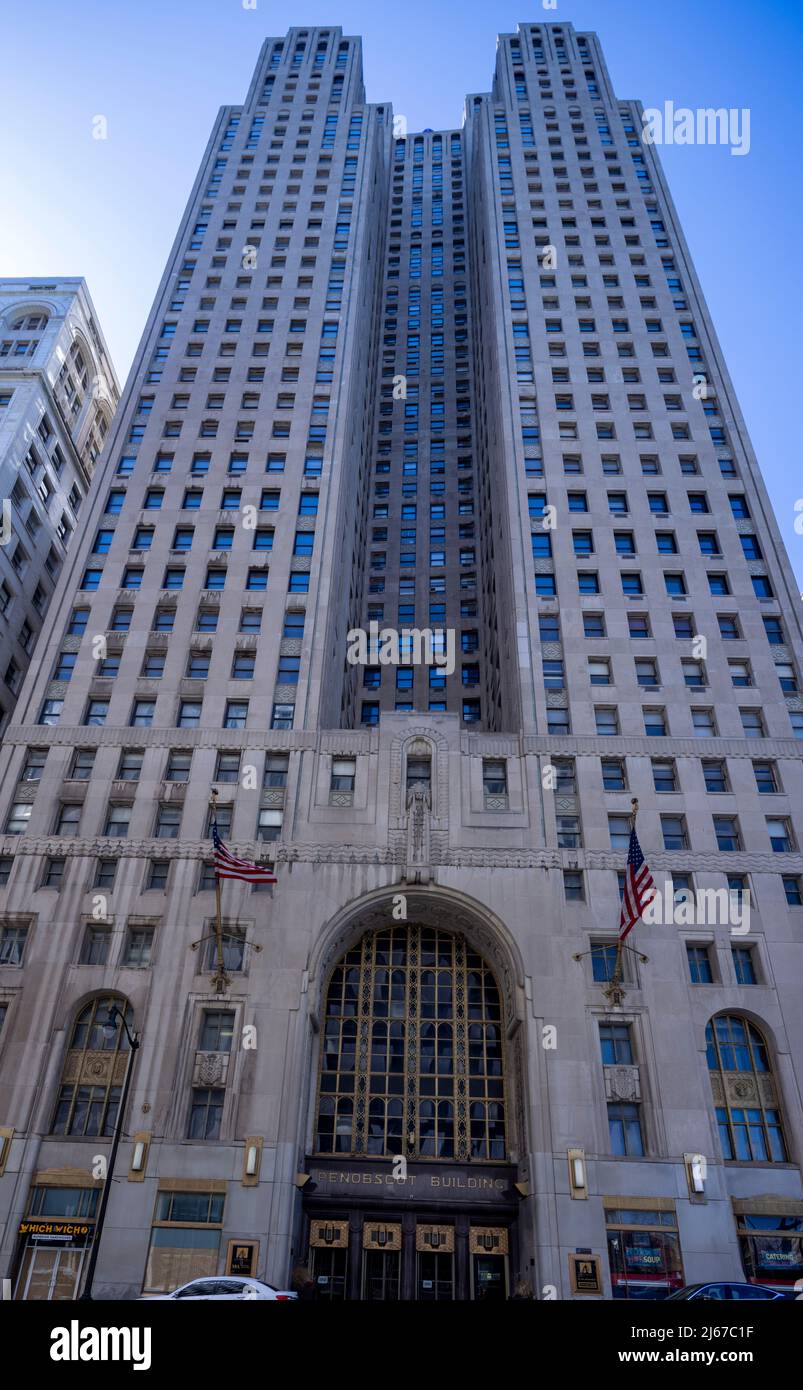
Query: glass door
x=489, y=1278
x=489, y=1249
x=49, y=1273
x=380, y=1275
x=328, y=1269
x=434, y=1276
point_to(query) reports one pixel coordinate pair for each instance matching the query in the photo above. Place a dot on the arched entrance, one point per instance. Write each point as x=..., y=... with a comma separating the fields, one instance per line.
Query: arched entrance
x=413, y=1160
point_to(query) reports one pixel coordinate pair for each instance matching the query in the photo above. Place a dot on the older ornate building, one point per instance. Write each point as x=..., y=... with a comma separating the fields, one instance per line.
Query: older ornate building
x=447, y=381
x=58, y=394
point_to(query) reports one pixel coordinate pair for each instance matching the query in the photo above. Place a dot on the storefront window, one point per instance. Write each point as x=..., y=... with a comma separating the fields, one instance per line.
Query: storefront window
x=644, y=1253
x=772, y=1249
x=185, y=1239
x=55, y=1238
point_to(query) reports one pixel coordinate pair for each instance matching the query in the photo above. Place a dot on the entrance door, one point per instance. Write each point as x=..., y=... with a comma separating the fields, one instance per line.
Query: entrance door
x=328, y=1269
x=381, y=1270
x=489, y=1278
x=434, y=1276
x=488, y=1247
x=49, y=1273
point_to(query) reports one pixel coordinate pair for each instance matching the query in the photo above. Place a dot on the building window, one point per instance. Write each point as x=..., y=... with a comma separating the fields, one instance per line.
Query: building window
x=217, y=1031
x=726, y=829
x=185, y=1239
x=603, y=961
x=168, y=823
x=233, y=949
x=95, y=946
x=138, y=948
x=780, y=833
x=13, y=940
x=494, y=784
x=156, y=878
x=282, y=716
x=342, y=780
x=18, y=817
x=407, y=972
x=748, y=1112
x=105, y=873
x=91, y=1109
x=269, y=824
x=53, y=876
x=624, y=1129
x=616, y=1044
x=68, y=819
x=699, y=959
x=117, y=820
x=573, y=886
x=744, y=965
x=206, y=1112
x=178, y=766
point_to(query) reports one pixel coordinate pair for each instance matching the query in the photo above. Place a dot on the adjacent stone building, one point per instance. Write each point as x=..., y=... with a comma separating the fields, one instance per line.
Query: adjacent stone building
x=58, y=394
x=462, y=381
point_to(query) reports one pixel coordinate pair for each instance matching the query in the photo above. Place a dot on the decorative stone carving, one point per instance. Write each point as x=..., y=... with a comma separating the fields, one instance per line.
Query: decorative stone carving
x=622, y=1083
x=419, y=807
x=211, y=1068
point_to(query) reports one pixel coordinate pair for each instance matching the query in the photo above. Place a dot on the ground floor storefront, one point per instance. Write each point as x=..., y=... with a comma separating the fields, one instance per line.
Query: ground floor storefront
x=377, y=1232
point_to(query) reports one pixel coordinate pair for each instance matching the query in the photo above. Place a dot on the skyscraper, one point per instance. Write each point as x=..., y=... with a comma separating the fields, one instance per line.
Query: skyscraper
x=58, y=393
x=463, y=384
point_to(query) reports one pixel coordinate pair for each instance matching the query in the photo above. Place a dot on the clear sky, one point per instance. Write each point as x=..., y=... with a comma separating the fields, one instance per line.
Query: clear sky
x=159, y=69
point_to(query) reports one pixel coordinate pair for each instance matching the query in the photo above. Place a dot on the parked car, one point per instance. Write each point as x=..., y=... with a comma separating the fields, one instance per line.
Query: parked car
x=728, y=1291
x=226, y=1286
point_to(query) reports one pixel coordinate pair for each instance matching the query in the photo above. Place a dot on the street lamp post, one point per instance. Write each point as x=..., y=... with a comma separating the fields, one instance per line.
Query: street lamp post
x=110, y=1027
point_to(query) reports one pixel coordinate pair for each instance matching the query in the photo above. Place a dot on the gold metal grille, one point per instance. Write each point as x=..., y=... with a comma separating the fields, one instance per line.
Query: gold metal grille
x=329, y=1235
x=435, y=1239
x=382, y=1235
x=487, y=1240
x=412, y=1055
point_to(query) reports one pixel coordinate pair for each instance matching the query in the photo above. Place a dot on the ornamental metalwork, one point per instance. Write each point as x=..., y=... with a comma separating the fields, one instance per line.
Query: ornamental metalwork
x=412, y=1057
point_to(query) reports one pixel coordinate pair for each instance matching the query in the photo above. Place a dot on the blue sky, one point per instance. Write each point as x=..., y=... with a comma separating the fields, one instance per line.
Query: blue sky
x=159, y=69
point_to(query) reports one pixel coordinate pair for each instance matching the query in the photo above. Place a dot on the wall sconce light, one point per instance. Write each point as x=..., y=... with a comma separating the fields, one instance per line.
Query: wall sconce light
x=139, y=1156
x=252, y=1161
x=696, y=1173
x=578, y=1178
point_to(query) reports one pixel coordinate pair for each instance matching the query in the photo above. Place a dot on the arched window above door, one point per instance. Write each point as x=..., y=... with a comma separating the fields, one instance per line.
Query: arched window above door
x=412, y=1055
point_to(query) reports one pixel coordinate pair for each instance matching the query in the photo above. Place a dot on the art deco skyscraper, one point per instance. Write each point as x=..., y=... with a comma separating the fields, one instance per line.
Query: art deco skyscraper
x=460, y=380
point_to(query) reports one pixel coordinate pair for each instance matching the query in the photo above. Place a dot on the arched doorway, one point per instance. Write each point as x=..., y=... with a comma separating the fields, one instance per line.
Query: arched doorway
x=412, y=1169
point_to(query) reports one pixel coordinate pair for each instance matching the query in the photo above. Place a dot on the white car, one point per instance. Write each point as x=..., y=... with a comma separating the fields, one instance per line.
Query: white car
x=228, y=1286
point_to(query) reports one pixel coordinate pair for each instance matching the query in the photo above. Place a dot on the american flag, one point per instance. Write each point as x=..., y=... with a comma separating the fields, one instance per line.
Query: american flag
x=639, y=887
x=228, y=866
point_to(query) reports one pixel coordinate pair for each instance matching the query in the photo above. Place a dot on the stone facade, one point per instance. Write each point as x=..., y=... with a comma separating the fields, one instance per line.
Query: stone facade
x=487, y=814
x=58, y=394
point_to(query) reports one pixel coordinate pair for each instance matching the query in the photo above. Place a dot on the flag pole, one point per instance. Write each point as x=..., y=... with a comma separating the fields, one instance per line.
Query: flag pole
x=617, y=971
x=220, y=978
